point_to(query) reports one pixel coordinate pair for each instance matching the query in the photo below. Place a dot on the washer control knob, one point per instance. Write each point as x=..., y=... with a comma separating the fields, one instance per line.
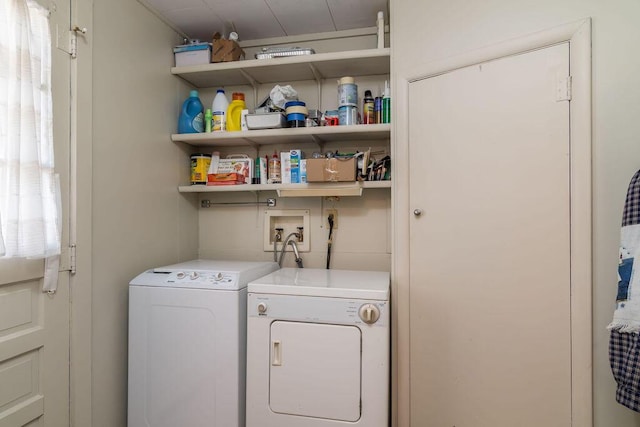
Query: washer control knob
x=262, y=307
x=181, y=275
x=219, y=277
x=194, y=275
x=369, y=313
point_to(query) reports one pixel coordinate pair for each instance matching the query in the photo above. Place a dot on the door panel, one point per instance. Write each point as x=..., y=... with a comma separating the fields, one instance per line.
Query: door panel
x=490, y=257
x=315, y=370
x=34, y=326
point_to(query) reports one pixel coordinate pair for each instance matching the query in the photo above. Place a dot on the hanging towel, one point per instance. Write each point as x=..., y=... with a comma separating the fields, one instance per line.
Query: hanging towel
x=624, y=342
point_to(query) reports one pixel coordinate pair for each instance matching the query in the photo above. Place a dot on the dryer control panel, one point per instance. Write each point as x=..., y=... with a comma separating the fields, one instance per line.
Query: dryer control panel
x=319, y=309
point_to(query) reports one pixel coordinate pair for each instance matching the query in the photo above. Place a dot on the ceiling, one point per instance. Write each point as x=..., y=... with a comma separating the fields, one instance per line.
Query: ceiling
x=258, y=19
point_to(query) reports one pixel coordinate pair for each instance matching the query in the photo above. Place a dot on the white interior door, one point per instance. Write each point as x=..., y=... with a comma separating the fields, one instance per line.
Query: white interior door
x=315, y=370
x=490, y=332
x=34, y=326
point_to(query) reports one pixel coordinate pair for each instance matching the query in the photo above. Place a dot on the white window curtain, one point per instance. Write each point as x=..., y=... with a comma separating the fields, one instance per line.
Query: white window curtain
x=29, y=188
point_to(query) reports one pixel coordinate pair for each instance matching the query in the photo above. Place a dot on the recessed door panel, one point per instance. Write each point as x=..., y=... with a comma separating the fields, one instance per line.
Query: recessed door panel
x=315, y=370
x=490, y=258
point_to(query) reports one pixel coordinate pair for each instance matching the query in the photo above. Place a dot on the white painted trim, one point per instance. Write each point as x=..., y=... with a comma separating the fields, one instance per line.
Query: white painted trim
x=81, y=181
x=578, y=34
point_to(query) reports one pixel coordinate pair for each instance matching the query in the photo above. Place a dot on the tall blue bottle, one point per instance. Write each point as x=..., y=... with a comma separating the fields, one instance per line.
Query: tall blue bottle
x=191, y=117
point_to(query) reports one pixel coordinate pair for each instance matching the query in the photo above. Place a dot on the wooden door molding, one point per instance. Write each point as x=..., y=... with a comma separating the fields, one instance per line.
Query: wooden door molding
x=578, y=34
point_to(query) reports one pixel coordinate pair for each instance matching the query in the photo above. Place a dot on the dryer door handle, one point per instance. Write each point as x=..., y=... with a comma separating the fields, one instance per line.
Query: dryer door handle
x=276, y=354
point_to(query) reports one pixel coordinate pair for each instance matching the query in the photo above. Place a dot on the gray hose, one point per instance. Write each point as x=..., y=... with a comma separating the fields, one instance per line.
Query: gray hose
x=285, y=242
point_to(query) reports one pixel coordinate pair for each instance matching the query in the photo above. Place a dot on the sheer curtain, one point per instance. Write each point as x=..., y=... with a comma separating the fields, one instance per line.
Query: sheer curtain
x=29, y=190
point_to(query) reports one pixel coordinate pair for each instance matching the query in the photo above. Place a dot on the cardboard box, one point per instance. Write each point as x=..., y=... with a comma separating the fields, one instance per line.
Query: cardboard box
x=225, y=50
x=331, y=170
x=192, y=54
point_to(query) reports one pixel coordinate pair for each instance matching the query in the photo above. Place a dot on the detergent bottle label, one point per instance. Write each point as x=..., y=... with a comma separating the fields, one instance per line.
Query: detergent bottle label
x=198, y=122
x=218, y=121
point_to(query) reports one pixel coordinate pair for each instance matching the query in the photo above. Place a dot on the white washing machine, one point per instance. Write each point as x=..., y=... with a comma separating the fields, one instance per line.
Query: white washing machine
x=187, y=342
x=318, y=349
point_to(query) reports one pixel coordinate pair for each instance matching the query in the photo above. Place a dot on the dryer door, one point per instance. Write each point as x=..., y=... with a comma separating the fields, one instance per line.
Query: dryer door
x=315, y=370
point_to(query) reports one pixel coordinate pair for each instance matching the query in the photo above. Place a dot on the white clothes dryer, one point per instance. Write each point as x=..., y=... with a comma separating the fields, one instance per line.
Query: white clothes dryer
x=318, y=349
x=187, y=343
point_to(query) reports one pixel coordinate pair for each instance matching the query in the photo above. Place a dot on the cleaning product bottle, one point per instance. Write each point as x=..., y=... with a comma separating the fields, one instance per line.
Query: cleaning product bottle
x=234, y=112
x=215, y=160
x=219, y=107
x=368, y=116
x=275, y=173
x=380, y=28
x=386, y=104
x=207, y=120
x=191, y=118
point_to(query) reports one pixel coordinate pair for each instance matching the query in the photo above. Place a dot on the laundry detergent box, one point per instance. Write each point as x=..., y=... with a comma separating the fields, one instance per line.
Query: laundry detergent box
x=294, y=159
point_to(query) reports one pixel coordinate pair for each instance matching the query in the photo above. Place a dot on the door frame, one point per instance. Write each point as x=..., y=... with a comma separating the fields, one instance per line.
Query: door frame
x=578, y=35
x=80, y=215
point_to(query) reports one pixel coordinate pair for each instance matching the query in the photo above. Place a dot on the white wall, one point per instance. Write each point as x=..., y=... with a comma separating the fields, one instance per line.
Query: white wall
x=139, y=219
x=425, y=31
x=362, y=240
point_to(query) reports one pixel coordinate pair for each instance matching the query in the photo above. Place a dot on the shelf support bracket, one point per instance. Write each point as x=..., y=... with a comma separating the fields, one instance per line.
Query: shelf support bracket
x=318, y=77
x=253, y=82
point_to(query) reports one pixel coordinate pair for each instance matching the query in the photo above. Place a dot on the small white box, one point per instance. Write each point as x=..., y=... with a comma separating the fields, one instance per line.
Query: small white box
x=192, y=54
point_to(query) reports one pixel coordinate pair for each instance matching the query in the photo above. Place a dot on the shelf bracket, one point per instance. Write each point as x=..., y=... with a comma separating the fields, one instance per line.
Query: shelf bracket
x=318, y=141
x=253, y=144
x=315, y=72
x=207, y=203
x=253, y=82
x=318, y=77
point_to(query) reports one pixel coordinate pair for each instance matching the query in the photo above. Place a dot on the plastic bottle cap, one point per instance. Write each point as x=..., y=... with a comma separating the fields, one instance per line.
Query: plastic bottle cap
x=220, y=91
x=346, y=81
x=367, y=93
x=380, y=15
x=193, y=93
x=237, y=95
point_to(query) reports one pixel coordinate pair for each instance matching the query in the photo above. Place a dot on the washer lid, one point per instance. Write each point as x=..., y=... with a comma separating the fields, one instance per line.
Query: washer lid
x=327, y=283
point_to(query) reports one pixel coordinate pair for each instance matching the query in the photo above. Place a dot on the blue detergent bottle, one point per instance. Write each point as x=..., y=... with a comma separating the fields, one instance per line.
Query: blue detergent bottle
x=191, y=117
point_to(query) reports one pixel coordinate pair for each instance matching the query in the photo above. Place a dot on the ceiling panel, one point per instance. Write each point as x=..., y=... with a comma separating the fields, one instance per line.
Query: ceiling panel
x=293, y=16
x=258, y=19
x=201, y=23
x=165, y=5
x=349, y=14
x=252, y=19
